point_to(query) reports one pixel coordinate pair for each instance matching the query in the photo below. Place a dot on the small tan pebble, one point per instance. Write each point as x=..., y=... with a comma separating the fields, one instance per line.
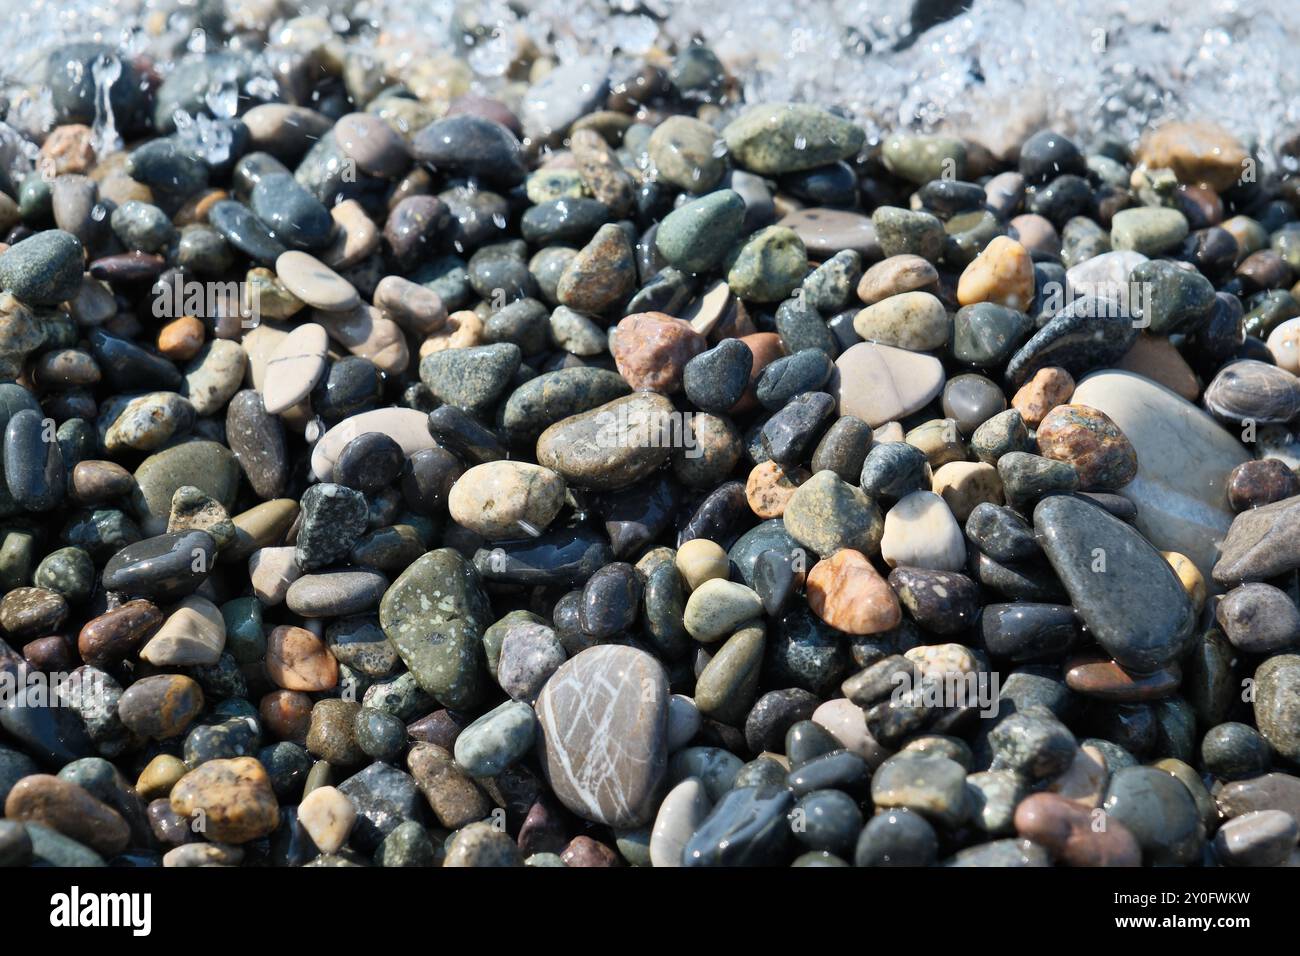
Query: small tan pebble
x=231, y=799
x=1284, y=344
x=701, y=560
x=203, y=854
x=328, y=816
x=1084, y=781
x=1189, y=575
x=159, y=776
x=463, y=330
x=890, y=431
x=1048, y=388
x=197, y=207
x=895, y=275
x=1002, y=273
x=181, y=339
x=68, y=149
x=965, y=484
x=770, y=486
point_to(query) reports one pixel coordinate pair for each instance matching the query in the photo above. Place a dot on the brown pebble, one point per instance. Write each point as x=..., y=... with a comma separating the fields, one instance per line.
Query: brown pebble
x=1087, y=439
x=231, y=800
x=1048, y=388
x=52, y=653
x=107, y=640
x=286, y=714
x=67, y=149
x=1077, y=837
x=584, y=851
x=96, y=482
x=160, y=707
x=454, y=797
x=848, y=593
x=181, y=339
x=770, y=486
x=651, y=349
x=296, y=659
x=32, y=612
x=1096, y=676
x=70, y=809
x=1255, y=483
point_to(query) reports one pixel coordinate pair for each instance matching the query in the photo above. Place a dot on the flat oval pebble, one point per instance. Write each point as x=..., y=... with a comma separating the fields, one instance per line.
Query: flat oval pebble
x=315, y=283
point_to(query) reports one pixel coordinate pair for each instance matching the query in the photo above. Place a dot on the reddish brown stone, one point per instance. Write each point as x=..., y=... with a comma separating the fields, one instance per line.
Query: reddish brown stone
x=296, y=659
x=52, y=653
x=441, y=728
x=1075, y=836
x=109, y=639
x=849, y=594
x=1048, y=388
x=584, y=851
x=651, y=349
x=286, y=714
x=1087, y=439
x=1255, y=483
x=766, y=348
x=70, y=809
x=770, y=486
x=1095, y=676
x=543, y=829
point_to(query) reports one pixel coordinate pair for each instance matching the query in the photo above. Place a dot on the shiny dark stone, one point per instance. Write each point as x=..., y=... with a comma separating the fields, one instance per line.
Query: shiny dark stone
x=163, y=568
x=560, y=557
x=352, y=384
x=828, y=821
x=802, y=327
x=770, y=535
x=1001, y=533
x=427, y=479
x=837, y=770
x=843, y=449
x=53, y=736
x=775, y=580
x=129, y=368
x=1085, y=335
x=33, y=461
x=721, y=517
x=893, y=470
x=774, y=713
x=472, y=146
x=636, y=516
x=463, y=436
x=369, y=462
x=610, y=601
x=944, y=602
x=665, y=604
x=748, y=827
x=1027, y=581
x=294, y=215
x=791, y=432
x=897, y=837
x=803, y=651
x=804, y=371
x=245, y=231
x=715, y=380
x=805, y=740
x=1028, y=632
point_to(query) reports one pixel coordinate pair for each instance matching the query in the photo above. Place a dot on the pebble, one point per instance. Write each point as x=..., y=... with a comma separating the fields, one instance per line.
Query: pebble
x=194, y=633
x=1067, y=830
x=1257, y=545
x=69, y=809
x=879, y=383
x=234, y=797
x=1136, y=608
x=915, y=321
x=1276, y=700
x=603, y=723
x=1087, y=439
x=1003, y=274
x=1159, y=812
x=846, y=592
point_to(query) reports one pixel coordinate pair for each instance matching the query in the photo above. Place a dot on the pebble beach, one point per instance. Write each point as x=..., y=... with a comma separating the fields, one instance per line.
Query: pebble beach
x=507, y=455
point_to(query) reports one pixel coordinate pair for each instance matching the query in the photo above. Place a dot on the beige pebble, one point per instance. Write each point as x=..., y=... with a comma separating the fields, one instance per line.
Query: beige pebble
x=700, y=560
x=965, y=484
x=194, y=633
x=294, y=368
x=328, y=817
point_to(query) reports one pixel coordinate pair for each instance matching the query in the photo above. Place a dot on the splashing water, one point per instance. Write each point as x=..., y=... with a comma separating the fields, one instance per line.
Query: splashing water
x=103, y=134
x=204, y=136
x=994, y=72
